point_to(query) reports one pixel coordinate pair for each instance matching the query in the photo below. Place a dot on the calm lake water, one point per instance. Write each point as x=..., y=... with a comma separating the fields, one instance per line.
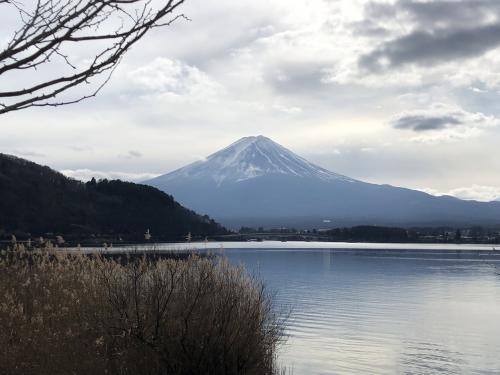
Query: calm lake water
x=379, y=308
x=383, y=313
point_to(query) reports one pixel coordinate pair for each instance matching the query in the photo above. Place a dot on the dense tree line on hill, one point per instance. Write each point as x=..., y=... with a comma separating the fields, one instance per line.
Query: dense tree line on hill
x=37, y=200
x=374, y=233
x=368, y=234
x=356, y=234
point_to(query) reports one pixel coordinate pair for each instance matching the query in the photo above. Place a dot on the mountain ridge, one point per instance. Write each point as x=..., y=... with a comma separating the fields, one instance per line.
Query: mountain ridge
x=38, y=200
x=251, y=157
x=256, y=179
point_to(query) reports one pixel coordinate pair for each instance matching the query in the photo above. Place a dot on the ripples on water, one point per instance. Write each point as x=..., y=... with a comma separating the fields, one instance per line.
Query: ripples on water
x=366, y=314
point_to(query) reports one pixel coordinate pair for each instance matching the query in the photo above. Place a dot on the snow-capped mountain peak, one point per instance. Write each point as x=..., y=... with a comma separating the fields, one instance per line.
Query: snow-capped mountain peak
x=255, y=182
x=252, y=157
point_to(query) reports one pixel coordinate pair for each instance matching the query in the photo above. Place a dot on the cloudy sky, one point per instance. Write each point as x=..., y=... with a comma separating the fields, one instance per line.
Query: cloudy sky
x=399, y=92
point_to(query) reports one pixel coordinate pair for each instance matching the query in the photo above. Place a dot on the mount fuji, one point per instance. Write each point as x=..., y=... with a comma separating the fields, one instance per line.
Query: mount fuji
x=256, y=181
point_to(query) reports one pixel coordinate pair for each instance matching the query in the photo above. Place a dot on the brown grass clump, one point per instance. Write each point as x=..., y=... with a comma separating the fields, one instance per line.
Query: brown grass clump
x=75, y=314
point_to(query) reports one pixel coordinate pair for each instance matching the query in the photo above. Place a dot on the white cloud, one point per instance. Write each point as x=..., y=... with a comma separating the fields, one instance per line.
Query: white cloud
x=287, y=110
x=28, y=154
x=286, y=69
x=87, y=175
x=174, y=78
x=475, y=192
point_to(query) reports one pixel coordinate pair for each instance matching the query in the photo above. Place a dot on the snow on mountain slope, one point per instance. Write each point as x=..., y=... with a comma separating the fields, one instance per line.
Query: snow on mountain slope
x=256, y=181
x=251, y=157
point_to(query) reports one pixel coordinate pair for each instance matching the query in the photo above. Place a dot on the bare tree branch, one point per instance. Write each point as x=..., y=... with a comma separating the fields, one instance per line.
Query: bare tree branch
x=103, y=29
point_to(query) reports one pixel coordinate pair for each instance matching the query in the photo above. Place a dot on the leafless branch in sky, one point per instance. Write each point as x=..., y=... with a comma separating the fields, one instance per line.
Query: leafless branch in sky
x=101, y=31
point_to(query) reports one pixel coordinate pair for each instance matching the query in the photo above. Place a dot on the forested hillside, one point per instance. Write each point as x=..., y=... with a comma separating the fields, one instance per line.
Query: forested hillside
x=35, y=199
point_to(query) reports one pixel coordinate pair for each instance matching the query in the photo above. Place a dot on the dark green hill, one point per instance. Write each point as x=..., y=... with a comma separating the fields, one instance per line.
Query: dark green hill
x=37, y=200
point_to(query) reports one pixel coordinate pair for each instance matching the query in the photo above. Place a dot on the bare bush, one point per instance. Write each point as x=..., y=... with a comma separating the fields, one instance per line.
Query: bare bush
x=74, y=314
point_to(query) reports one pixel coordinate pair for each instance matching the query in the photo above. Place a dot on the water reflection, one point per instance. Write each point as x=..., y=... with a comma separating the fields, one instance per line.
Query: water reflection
x=360, y=314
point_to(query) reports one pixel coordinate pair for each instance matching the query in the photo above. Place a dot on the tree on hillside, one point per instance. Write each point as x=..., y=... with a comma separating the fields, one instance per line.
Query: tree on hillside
x=70, y=44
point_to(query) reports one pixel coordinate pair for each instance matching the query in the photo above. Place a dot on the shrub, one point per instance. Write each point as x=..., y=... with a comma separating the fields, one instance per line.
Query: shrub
x=75, y=314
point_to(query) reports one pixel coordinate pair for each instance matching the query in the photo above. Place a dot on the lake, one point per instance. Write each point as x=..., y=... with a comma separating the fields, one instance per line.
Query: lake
x=383, y=313
x=380, y=308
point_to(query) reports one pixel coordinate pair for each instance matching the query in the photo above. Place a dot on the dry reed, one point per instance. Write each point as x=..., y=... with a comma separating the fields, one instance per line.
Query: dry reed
x=74, y=314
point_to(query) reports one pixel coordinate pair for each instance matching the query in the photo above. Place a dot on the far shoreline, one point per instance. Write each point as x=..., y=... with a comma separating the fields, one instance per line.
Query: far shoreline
x=336, y=247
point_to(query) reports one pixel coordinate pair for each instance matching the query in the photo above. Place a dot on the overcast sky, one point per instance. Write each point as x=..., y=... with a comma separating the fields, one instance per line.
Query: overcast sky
x=405, y=93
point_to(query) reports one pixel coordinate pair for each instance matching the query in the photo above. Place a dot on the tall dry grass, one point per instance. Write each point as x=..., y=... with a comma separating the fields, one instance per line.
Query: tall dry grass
x=75, y=314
